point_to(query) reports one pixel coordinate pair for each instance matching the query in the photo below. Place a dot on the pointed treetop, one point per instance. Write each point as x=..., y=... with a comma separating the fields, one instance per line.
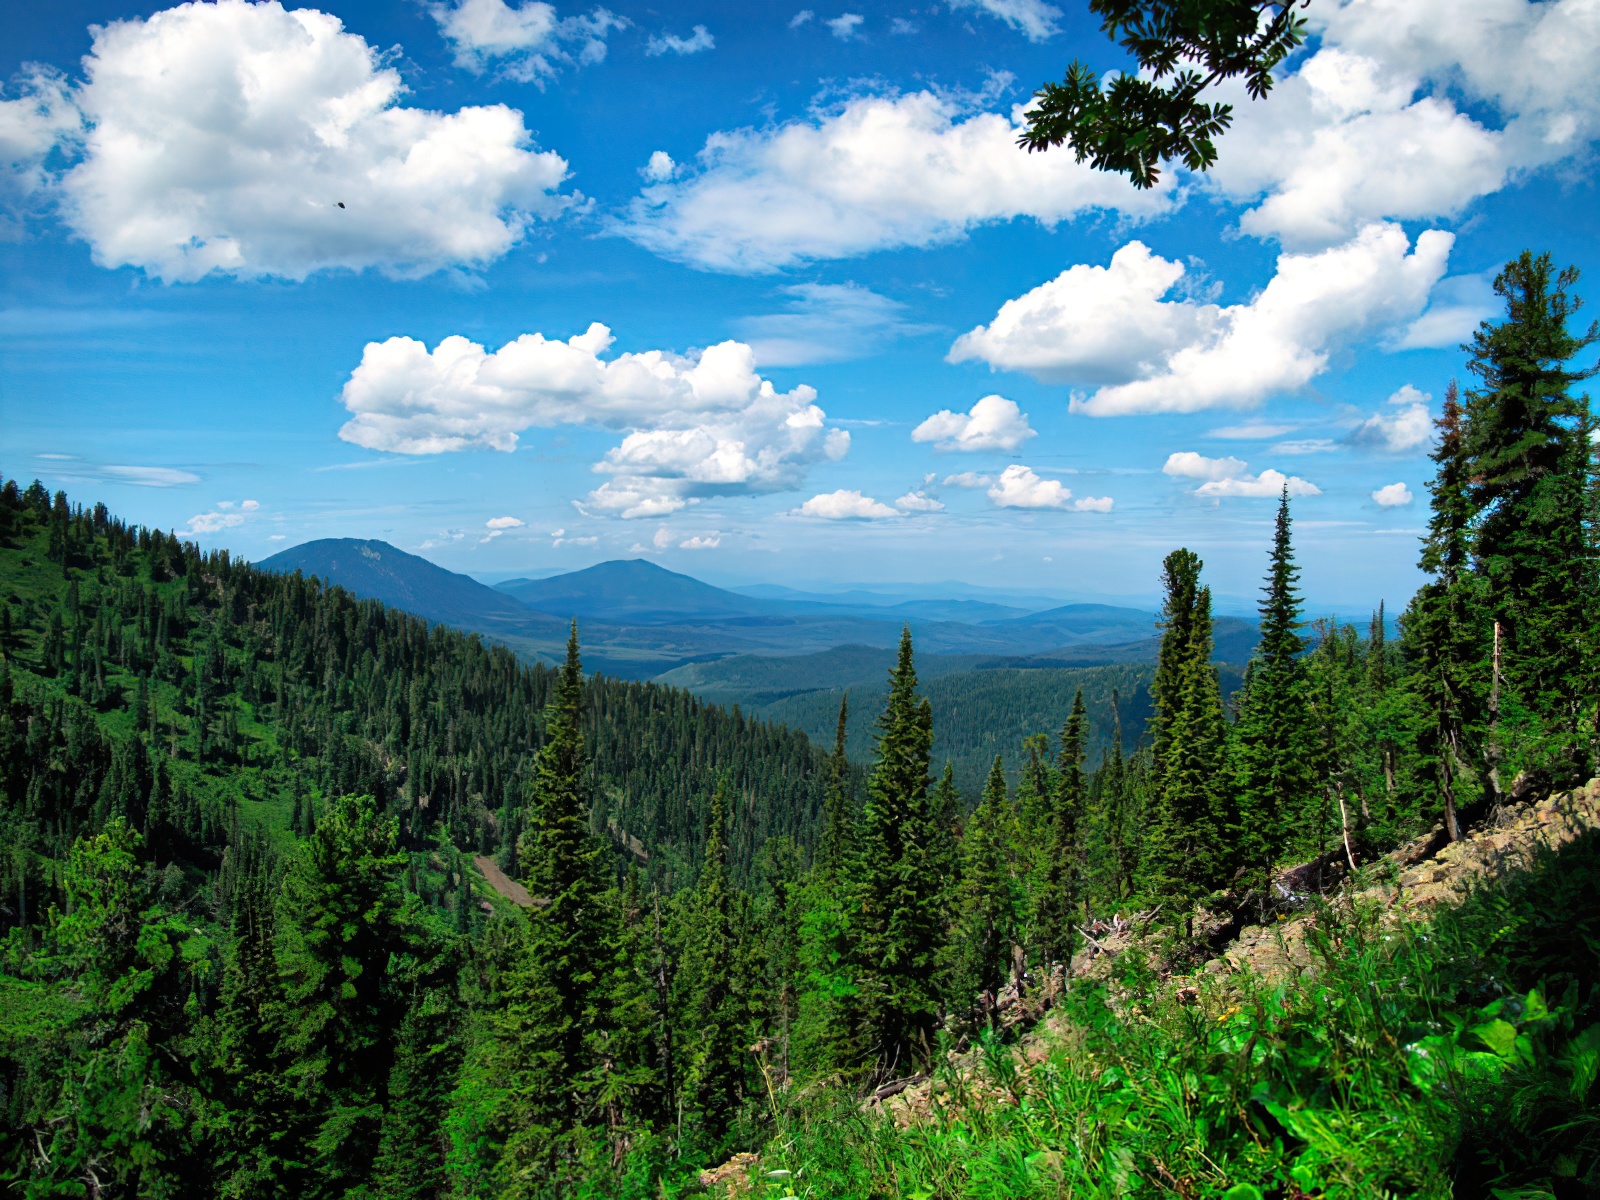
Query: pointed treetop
x=1280, y=605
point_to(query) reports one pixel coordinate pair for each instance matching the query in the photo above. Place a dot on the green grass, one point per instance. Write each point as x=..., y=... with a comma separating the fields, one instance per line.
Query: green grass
x=1452, y=1059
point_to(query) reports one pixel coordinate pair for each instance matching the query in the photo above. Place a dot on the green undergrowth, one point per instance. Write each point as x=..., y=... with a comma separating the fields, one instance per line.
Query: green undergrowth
x=1456, y=1058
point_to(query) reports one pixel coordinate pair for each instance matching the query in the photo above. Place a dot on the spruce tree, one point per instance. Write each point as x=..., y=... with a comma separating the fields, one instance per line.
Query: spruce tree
x=1180, y=578
x=1274, y=747
x=834, y=847
x=553, y=1006
x=1443, y=626
x=900, y=920
x=986, y=912
x=713, y=1070
x=1184, y=852
x=1061, y=887
x=1526, y=441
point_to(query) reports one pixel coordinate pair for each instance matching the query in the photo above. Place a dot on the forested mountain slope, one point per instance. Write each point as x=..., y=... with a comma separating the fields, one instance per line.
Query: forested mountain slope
x=252, y=696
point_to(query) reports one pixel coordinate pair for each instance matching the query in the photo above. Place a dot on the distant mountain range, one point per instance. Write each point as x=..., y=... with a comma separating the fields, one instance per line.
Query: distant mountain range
x=640, y=620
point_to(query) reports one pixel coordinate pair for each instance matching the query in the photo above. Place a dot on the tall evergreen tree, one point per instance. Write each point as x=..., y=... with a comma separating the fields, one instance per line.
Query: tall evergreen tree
x=1060, y=889
x=1184, y=851
x=343, y=923
x=1526, y=441
x=553, y=1006
x=838, y=802
x=1443, y=626
x=986, y=912
x=901, y=924
x=1274, y=735
x=714, y=1073
x=1180, y=579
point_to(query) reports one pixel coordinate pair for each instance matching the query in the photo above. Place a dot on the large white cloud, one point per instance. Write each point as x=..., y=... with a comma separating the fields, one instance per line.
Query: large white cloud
x=223, y=137
x=1372, y=125
x=1092, y=324
x=531, y=40
x=1341, y=143
x=1022, y=487
x=994, y=423
x=1184, y=355
x=881, y=172
x=696, y=426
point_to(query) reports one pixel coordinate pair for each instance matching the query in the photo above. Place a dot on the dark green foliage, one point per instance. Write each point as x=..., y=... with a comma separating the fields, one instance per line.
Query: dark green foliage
x=1154, y=114
x=1184, y=850
x=552, y=1007
x=713, y=1067
x=1274, y=752
x=834, y=847
x=1526, y=440
x=986, y=904
x=900, y=922
x=1061, y=885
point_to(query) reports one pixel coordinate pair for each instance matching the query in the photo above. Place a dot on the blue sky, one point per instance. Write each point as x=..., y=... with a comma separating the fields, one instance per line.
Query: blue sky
x=854, y=335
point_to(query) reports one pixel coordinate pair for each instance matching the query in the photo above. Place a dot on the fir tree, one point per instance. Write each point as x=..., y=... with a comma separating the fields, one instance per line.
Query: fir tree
x=1061, y=887
x=1184, y=848
x=900, y=922
x=1526, y=442
x=1180, y=578
x=834, y=847
x=986, y=910
x=713, y=1074
x=342, y=920
x=1442, y=626
x=1274, y=756
x=552, y=1007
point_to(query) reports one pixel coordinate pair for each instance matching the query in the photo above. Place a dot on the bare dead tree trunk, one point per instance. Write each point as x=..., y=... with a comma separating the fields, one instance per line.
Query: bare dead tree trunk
x=1344, y=826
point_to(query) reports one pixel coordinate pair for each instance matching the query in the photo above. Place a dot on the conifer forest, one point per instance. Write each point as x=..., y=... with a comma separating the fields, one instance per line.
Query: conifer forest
x=303, y=896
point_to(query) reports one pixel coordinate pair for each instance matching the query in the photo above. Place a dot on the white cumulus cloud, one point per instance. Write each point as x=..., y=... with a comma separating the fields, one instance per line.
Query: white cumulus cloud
x=504, y=523
x=224, y=136
x=994, y=423
x=878, y=173
x=531, y=40
x=1393, y=495
x=1092, y=324
x=667, y=43
x=1231, y=477
x=1404, y=431
x=696, y=426
x=1268, y=483
x=1411, y=109
x=1021, y=487
x=844, y=505
x=1034, y=19
x=225, y=514
x=1185, y=356
x=915, y=502
x=701, y=541
x=1186, y=464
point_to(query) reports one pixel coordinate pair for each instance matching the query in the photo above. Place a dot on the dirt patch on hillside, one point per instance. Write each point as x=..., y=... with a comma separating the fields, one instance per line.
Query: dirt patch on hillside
x=503, y=883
